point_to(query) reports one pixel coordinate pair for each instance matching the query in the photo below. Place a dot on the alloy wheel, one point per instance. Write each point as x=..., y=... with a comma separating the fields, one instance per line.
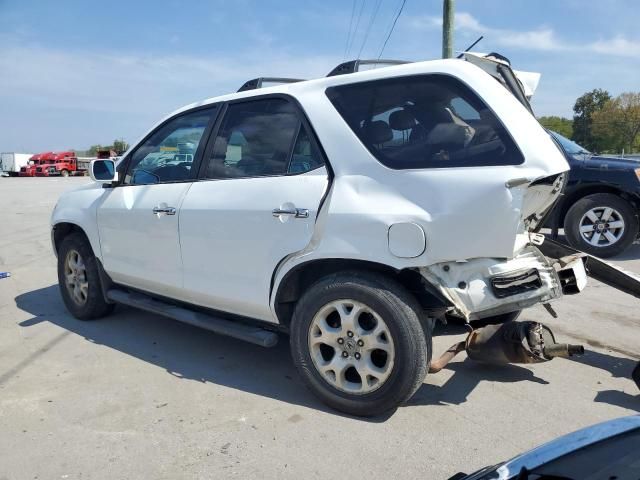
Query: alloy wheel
x=351, y=346
x=602, y=226
x=75, y=274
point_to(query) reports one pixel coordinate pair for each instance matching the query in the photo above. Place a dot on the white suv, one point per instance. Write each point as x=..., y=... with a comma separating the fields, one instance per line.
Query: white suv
x=350, y=212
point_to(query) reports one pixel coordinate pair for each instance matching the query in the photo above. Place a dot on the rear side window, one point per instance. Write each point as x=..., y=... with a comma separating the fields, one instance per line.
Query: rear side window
x=426, y=121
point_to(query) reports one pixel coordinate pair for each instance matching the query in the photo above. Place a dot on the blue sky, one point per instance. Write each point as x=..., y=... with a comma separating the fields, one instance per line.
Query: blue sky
x=75, y=73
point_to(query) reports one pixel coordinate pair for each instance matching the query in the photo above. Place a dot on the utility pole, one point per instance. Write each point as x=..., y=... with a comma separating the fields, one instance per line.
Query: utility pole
x=448, y=14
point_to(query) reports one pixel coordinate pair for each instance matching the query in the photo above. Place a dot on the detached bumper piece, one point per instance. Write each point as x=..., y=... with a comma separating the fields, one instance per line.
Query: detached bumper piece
x=511, y=342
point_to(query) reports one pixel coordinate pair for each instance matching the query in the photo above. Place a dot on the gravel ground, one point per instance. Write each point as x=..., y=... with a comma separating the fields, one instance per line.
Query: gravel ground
x=139, y=396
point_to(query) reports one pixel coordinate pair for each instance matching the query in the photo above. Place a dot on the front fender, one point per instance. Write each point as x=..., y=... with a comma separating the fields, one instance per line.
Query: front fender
x=79, y=208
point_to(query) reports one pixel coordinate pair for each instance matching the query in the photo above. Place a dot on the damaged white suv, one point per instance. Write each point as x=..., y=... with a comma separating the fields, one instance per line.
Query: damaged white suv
x=350, y=212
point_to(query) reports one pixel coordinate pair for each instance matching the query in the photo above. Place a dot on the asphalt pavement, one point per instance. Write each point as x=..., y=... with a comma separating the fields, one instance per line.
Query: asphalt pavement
x=137, y=396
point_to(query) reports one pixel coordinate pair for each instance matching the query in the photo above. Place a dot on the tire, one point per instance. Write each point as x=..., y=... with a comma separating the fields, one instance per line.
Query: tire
x=82, y=293
x=381, y=305
x=605, y=241
x=64, y=173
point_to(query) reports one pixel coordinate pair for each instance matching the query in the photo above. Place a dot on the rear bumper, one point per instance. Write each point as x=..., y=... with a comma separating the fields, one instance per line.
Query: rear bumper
x=485, y=287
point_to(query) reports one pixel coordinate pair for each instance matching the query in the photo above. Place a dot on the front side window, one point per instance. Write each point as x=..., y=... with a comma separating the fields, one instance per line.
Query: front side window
x=168, y=154
x=426, y=121
x=260, y=138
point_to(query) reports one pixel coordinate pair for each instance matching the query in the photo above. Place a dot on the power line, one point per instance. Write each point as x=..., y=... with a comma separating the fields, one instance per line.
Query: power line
x=392, y=28
x=353, y=14
x=372, y=19
x=355, y=31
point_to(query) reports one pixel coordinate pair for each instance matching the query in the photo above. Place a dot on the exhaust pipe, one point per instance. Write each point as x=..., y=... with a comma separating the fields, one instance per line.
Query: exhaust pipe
x=517, y=342
x=564, y=350
x=511, y=342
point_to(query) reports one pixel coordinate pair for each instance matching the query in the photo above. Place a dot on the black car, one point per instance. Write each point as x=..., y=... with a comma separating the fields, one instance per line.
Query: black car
x=608, y=450
x=600, y=206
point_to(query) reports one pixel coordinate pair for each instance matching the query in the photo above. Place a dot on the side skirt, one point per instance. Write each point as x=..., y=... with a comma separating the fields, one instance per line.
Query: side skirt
x=219, y=325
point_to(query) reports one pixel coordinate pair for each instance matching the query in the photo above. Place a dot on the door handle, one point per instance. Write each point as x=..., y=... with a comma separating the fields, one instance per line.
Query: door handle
x=291, y=212
x=165, y=210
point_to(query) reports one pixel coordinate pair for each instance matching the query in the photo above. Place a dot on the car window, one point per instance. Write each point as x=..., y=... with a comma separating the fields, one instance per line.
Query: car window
x=425, y=121
x=168, y=154
x=572, y=148
x=261, y=138
x=305, y=156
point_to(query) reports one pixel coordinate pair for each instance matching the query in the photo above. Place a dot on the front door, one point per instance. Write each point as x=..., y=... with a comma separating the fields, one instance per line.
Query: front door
x=138, y=219
x=256, y=202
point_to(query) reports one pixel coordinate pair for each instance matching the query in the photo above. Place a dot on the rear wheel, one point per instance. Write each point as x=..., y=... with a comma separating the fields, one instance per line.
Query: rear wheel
x=357, y=341
x=601, y=224
x=79, y=279
x=64, y=173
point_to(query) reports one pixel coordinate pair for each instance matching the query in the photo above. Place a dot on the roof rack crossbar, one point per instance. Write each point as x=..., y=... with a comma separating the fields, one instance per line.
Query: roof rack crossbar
x=255, y=83
x=353, y=66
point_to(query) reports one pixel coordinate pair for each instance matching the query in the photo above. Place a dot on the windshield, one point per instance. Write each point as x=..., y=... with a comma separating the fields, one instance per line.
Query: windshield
x=572, y=148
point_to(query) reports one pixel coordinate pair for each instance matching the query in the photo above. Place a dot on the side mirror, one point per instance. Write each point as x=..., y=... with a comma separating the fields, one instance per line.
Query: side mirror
x=103, y=171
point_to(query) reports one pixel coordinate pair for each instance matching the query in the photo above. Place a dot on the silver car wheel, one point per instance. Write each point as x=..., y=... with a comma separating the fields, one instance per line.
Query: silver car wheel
x=351, y=346
x=75, y=274
x=602, y=226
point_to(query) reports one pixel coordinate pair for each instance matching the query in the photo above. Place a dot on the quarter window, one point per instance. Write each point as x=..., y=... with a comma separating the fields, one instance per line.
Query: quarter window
x=261, y=138
x=168, y=154
x=426, y=121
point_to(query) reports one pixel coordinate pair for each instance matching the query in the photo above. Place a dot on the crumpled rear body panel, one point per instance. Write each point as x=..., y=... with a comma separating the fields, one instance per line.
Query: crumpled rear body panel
x=467, y=285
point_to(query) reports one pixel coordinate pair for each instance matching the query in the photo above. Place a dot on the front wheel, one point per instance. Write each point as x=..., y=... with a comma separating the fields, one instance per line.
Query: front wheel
x=64, y=173
x=601, y=224
x=357, y=341
x=79, y=279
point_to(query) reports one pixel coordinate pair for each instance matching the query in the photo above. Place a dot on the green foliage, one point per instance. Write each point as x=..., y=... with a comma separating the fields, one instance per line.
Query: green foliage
x=616, y=126
x=93, y=149
x=564, y=126
x=583, y=110
x=120, y=146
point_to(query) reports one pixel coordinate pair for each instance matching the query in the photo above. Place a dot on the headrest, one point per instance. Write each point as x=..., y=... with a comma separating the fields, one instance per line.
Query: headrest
x=401, y=120
x=378, y=132
x=220, y=148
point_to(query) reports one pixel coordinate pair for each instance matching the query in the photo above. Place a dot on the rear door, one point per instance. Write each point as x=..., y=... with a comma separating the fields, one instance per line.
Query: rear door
x=138, y=219
x=262, y=182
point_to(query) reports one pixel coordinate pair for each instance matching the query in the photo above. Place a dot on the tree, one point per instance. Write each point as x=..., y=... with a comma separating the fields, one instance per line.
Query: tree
x=120, y=146
x=93, y=150
x=617, y=124
x=563, y=126
x=583, y=110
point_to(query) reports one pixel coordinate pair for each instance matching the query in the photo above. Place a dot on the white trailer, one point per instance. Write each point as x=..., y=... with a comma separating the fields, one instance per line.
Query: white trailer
x=10, y=162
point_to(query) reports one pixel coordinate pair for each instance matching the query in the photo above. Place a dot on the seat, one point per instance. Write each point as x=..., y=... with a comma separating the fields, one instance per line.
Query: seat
x=377, y=132
x=403, y=121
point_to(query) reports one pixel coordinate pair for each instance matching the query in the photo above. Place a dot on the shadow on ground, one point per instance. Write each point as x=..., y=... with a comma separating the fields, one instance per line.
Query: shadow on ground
x=618, y=367
x=467, y=375
x=194, y=354
x=184, y=351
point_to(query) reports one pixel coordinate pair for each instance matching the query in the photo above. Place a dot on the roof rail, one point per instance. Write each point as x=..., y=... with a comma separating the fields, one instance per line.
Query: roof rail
x=353, y=66
x=258, y=82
